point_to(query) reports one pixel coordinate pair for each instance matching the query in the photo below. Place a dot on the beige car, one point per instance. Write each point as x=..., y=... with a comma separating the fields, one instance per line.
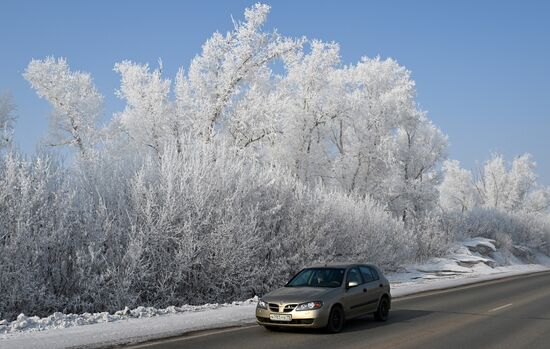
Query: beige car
x=325, y=297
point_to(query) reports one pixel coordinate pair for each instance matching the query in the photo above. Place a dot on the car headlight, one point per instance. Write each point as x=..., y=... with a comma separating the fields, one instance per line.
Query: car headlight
x=262, y=304
x=309, y=306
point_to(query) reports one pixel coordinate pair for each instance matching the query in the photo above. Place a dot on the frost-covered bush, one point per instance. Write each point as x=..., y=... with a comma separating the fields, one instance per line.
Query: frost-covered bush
x=36, y=237
x=508, y=228
x=206, y=224
x=504, y=242
x=213, y=224
x=502, y=202
x=433, y=234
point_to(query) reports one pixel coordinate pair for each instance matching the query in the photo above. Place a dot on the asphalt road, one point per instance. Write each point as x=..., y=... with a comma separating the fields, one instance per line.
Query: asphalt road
x=508, y=313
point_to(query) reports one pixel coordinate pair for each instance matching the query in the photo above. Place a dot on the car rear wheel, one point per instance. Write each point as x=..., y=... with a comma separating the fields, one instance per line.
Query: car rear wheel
x=383, y=310
x=335, y=320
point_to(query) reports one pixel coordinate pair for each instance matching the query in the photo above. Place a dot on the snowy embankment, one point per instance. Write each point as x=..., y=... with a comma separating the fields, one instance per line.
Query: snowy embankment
x=469, y=262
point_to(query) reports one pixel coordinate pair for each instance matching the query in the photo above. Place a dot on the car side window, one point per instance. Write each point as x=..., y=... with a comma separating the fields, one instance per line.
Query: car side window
x=374, y=273
x=369, y=274
x=354, y=277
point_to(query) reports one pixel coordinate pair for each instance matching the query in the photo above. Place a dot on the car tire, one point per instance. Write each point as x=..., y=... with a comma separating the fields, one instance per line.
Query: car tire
x=383, y=311
x=336, y=320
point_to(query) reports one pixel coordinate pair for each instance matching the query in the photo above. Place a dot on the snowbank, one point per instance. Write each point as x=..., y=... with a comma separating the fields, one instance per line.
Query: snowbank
x=470, y=261
x=408, y=283
x=60, y=320
x=130, y=330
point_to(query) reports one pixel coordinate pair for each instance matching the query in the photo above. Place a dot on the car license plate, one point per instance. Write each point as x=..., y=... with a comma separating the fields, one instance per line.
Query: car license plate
x=280, y=317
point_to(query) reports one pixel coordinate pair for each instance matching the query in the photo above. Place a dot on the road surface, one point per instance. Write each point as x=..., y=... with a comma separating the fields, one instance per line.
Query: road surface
x=507, y=313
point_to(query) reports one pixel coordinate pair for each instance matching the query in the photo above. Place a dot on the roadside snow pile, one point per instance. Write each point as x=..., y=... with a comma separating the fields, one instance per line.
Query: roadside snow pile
x=464, y=258
x=480, y=245
x=442, y=266
x=24, y=323
x=469, y=258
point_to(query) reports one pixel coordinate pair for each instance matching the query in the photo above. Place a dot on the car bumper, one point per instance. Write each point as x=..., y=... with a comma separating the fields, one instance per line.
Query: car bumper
x=303, y=319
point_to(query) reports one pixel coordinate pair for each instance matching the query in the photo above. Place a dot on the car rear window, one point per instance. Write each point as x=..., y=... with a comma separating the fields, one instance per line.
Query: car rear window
x=369, y=274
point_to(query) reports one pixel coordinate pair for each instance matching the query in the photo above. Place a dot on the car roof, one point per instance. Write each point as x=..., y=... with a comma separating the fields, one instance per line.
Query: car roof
x=337, y=265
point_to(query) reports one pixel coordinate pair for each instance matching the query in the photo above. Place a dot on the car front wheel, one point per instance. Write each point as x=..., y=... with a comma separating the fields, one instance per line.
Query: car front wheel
x=335, y=320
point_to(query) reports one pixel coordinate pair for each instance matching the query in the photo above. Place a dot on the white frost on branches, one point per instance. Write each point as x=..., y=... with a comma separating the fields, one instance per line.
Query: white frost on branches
x=229, y=66
x=148, y=116
x=457, y=191
x=76, y=103
x=508, y=187
x=7, y=120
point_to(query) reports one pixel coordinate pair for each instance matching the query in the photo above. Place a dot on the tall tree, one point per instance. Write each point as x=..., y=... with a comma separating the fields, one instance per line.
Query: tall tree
x=311, y=99
x=500, y=185
x=76, y=103
x=148, y=116
x=358, y=128
x=228, y=65
x=457, y=190
x=511, y=187
x=7, y=120
x=418, y=149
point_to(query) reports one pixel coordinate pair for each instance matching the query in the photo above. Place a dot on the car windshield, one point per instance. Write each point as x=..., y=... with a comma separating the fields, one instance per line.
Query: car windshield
x=318, y=277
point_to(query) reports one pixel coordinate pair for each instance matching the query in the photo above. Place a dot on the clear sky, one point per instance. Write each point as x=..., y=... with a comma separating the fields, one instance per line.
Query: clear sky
x=482, y=68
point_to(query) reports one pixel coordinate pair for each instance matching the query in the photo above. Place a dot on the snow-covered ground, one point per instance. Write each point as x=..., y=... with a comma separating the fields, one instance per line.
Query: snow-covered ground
x=471, y=261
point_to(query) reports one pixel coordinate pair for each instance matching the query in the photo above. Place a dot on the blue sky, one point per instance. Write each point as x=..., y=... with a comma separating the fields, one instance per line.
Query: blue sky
x=482, y=68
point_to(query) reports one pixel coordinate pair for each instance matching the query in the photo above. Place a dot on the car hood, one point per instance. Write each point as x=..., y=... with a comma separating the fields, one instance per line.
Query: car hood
x=297, y=294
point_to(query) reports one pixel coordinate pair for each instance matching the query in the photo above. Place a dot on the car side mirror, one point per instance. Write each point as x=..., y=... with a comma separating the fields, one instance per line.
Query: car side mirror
x=351, y=284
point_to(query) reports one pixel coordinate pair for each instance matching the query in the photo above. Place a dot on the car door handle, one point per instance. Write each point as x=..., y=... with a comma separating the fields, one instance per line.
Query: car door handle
x=364, y=290
x=381, y=285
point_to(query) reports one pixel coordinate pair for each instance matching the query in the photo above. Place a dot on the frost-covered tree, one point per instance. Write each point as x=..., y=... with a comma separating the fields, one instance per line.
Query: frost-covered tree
x=420, y=148
x=226, y=68
x=365, y=137
x=358, y=128
x=538, y=201
x=76, y=103
x=522, y=180
x=457, y=190
x=493, y=183
x=7, y=120
x=311, y=98
x=508, y=188
x=148, y=118
x=184, y=107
